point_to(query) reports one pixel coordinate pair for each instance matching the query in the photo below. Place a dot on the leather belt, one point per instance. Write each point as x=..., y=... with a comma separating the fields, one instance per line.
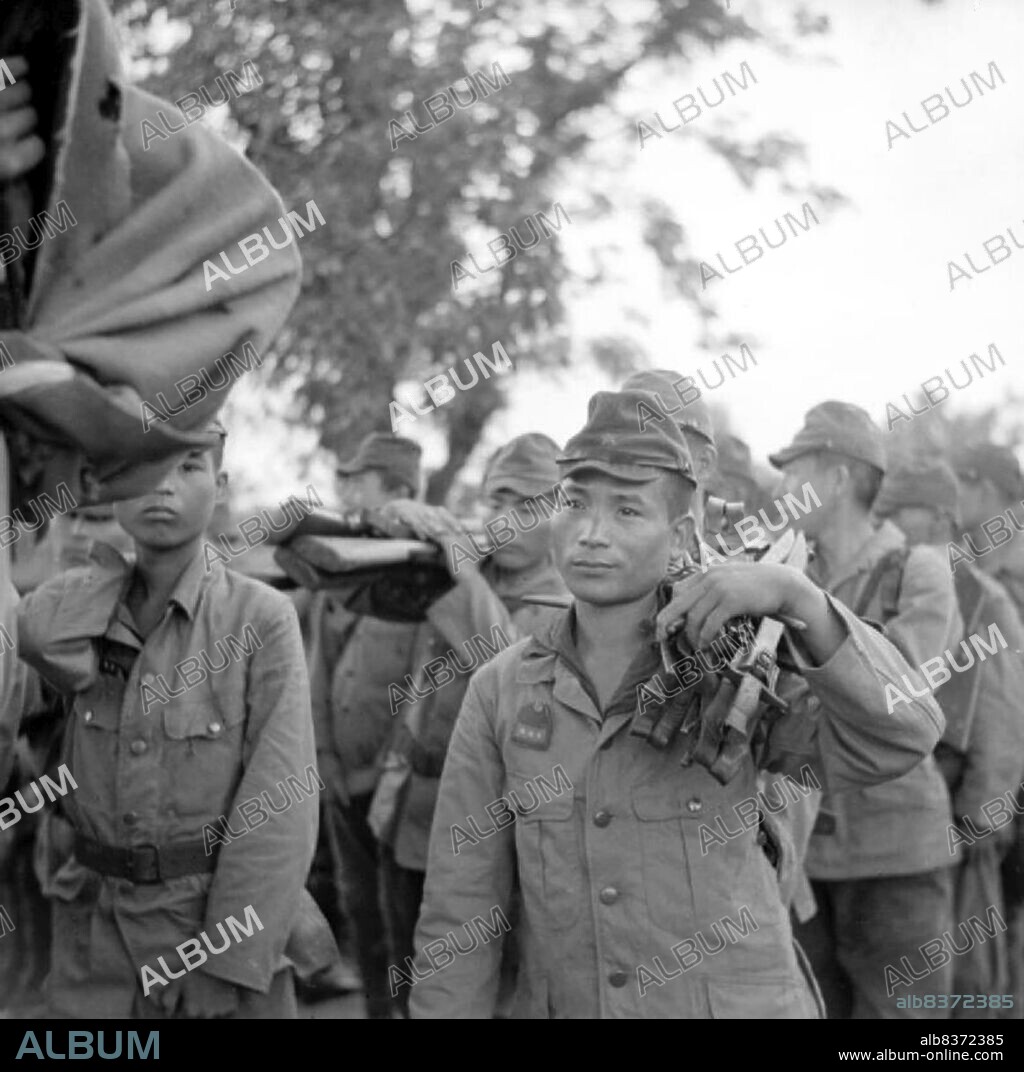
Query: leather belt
x=145, y=864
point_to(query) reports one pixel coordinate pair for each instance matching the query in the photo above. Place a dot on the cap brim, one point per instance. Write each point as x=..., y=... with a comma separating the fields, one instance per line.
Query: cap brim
x=518, y=485
x=349, y=468
x=787, y=454
x=631, y=474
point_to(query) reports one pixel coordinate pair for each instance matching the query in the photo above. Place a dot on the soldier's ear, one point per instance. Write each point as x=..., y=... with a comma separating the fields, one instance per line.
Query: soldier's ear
x=705, y=460
x=683, y=529
x=221, y=493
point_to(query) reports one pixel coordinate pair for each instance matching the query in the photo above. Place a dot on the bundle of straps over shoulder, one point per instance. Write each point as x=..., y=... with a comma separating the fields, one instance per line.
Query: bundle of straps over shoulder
x=886, y=579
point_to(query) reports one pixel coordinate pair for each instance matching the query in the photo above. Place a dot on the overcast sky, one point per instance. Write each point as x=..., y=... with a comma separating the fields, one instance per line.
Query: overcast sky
x=859, y=307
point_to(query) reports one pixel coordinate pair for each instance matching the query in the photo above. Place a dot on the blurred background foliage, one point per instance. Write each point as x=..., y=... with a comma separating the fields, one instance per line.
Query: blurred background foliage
x=377, y=306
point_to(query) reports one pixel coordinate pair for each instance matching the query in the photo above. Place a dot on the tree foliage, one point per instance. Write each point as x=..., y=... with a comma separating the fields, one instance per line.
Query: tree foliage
x=377, y=306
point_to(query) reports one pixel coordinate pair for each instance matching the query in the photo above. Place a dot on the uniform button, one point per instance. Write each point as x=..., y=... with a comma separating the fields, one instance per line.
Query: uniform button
x=148, y=679
x=87, y=717
x=138, y=747
x=618, y=978
x=694, y=805
x=609, y=895
x=602, y=818
x=130, y=818
x=214, y=727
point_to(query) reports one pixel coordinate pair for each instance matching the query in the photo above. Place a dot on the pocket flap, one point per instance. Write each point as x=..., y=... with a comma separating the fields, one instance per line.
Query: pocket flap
x=532, y=802
x=94, y=710
x=183, y=719
x=658, y=802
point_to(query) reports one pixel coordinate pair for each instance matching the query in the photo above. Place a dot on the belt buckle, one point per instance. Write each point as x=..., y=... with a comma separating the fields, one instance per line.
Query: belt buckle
x=144, y=869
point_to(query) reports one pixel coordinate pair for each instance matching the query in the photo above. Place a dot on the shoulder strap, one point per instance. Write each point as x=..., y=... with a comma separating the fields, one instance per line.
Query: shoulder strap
x=963, y=582
x=886, y=579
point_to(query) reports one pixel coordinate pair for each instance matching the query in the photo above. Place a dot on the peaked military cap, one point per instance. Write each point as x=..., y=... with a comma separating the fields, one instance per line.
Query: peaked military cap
x=525, y=465
x=840, y=427
x=612, y=441
x=692, y=416
x=217, y=427
x=389, y=453
x=734, y=457
x=927, y=483
x=986, y=461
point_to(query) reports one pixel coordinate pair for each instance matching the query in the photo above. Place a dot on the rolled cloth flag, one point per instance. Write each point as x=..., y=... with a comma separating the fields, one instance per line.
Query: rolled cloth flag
x=116, y=309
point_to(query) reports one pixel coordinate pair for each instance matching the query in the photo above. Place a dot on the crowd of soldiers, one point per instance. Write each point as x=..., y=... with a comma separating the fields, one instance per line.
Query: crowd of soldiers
x=493, y=841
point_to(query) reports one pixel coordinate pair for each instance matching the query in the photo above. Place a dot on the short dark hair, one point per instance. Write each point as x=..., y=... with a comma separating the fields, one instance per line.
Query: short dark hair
x=865, y=478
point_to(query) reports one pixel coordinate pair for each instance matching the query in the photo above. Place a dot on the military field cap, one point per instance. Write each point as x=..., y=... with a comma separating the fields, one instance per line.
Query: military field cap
x=217, y=427
x=931, y=484
x=986, y=461
x=525, y=465
x=840, y=427
x=734, y=457
x=694, y=417
x=611, y=442
x=389, y=453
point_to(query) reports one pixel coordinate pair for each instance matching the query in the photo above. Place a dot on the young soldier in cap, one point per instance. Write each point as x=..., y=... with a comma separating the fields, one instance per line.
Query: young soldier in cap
x=177, y=728
x=612, y=874
x=353, y=659
x=878, y=856
x=385, y=467
x=992, y=511
x=483, y=613
x=981, y=753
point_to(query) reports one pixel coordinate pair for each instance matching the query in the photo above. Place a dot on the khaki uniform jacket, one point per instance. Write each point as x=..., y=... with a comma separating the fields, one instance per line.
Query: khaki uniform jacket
x=158, y=777
x=353, y=659
x=898, y=827
x=404, y=808
x=612, y=873
x=988, y=698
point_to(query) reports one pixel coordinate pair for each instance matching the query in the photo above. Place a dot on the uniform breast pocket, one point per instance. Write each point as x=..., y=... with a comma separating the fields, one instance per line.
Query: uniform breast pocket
x=549, y=845
x=97, y=711
x=203, y=749
x=668, y=862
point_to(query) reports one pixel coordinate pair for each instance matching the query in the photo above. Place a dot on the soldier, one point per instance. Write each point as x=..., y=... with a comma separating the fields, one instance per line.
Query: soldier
x=992, y=509
x=878, y=857
x=610, y=869
x=485, y=604
x=694, y=421
x=734, y=478
x=163, y=759
x=981, y=754
x=352, y=661
x=25, y=956
x=991, y=490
